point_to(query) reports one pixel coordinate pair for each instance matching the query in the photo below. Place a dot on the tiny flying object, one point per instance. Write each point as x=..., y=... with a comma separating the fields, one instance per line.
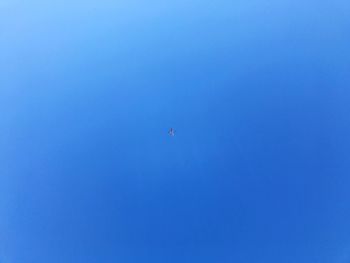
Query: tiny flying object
x=171, y=132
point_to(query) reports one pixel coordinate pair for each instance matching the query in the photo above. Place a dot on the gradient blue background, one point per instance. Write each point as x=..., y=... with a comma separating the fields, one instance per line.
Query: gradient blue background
x=258, y=92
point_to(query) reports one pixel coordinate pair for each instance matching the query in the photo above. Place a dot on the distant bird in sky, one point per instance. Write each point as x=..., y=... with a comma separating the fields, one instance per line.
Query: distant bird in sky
x=171, y=132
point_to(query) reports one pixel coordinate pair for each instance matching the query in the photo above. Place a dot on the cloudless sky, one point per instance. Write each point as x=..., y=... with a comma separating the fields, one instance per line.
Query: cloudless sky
x=258, y=93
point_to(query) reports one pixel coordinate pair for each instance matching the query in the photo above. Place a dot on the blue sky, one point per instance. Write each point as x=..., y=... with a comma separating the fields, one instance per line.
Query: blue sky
x=257, y=91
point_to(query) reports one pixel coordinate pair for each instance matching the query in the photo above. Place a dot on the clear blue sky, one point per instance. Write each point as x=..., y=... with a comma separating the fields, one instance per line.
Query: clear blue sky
x=257, y=91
